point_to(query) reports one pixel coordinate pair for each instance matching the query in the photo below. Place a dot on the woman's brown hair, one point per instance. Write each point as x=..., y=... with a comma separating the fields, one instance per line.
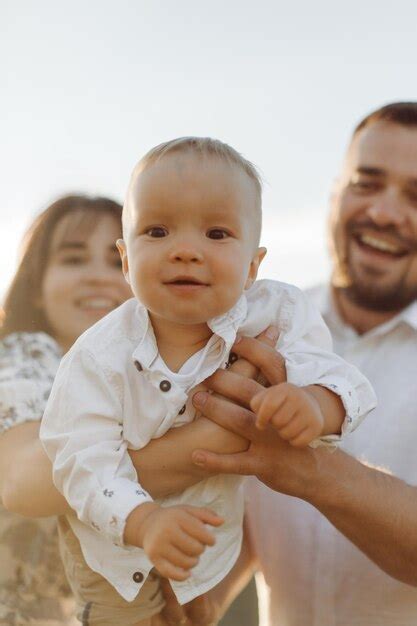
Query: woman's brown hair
x=21, y=311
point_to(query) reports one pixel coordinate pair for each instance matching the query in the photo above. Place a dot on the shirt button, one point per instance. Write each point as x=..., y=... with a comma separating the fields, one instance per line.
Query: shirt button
x=138, y=366
x=182, y=410
x=232, y=358
x=138, y=577
x=164, y=385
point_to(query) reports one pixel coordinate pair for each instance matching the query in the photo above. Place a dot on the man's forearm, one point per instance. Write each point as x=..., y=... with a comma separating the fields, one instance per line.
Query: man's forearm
x=374, y=510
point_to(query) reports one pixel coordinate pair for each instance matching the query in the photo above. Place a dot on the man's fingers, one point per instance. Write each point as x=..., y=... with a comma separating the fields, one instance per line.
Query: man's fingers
x=223, y=463
x=269, y=336
x=233, y=386
x=201, y=611
x=226, y=414
x=173, y=613
x=265, y=357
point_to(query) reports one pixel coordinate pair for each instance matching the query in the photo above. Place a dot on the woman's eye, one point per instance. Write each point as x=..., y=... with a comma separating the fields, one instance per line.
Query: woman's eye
x=72, y=260
x=116, y=262
x=157, y=231
x=217, y=233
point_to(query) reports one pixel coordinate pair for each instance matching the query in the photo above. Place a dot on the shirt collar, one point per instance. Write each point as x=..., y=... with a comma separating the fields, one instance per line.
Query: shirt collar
x=224, y=326
x=227, y=325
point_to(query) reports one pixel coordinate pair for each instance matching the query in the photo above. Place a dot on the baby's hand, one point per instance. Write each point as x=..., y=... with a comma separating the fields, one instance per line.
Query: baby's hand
x=293, y=411
x=174, y=537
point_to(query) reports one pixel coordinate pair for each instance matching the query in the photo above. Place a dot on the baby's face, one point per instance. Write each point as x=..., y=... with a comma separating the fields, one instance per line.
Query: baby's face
x=191, y=237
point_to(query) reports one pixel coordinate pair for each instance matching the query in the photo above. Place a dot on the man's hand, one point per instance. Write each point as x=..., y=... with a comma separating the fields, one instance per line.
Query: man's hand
x=293, y=411
x=272, y=460
x=277, y=464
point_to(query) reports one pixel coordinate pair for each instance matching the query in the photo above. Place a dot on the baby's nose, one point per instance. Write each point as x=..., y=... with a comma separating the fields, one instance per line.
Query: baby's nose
x=186, y=254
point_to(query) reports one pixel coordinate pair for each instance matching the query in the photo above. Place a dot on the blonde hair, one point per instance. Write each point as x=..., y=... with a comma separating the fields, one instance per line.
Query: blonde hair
x=203, y=146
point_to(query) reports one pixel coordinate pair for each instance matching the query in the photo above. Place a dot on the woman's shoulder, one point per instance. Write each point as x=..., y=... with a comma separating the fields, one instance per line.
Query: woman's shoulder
x=29, y=351
x=30, y=345
x=28, y=364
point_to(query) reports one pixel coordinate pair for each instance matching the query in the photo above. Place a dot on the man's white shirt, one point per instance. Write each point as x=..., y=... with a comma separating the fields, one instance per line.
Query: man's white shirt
x=312, y=574
x=113, y=392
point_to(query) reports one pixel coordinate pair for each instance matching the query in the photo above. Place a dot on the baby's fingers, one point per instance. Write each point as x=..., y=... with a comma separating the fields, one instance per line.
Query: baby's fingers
x=187, y=544
x=168, y=570
x=194, y=525
x=293, y=428
x=266, y=403
x=205, y=515
x=179, y=559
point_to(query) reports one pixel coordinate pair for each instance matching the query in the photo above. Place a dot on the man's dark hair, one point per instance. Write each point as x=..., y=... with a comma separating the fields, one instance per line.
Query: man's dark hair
x=404, y=113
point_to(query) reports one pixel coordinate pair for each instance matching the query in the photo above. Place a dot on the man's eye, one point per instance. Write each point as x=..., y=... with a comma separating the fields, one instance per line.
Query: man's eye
x=364, y=185
x=157, y=231
x=412, y=196
x=217, y=233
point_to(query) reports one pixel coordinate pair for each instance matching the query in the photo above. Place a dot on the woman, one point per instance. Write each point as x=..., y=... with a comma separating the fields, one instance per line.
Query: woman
x=69, y=276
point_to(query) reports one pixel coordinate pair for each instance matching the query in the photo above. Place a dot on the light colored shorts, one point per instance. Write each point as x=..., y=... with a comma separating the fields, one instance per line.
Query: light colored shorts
x=98, y=603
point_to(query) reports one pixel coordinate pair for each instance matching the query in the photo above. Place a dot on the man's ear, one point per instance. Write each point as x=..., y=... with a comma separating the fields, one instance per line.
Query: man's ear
x=121, y=246
x=254, y=267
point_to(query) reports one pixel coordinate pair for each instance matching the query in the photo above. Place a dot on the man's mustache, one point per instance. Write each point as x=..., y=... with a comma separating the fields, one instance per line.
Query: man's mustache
x=357, y=228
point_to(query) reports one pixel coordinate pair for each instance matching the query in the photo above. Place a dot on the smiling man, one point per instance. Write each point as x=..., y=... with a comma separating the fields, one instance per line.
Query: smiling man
x=343, y=550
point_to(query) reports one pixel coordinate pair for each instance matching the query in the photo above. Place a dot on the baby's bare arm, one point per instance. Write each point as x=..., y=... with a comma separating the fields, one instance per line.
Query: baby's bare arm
x=331, y=407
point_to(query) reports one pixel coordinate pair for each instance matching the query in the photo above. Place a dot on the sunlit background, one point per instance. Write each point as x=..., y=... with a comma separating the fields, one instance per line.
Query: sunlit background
x=88, y=87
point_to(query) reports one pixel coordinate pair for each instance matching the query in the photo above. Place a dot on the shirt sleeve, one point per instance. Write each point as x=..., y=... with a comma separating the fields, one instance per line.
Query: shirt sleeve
x=306, y=346
x=82, y=432
x=28, y=364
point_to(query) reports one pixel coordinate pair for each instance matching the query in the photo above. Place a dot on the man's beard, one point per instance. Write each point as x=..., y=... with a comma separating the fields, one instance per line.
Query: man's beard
x=367, y=293
x=374, y=298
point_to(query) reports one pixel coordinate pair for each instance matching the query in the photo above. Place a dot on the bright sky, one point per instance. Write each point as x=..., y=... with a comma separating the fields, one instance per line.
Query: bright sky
x=88, y=87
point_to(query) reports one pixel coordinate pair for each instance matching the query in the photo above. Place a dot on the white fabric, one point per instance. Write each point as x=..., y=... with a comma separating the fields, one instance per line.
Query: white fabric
x=101, y=404
x=313, y=575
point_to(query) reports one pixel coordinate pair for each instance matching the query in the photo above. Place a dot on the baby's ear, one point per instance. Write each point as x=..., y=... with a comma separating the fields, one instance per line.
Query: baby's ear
x=121, y=246
x=254, y=266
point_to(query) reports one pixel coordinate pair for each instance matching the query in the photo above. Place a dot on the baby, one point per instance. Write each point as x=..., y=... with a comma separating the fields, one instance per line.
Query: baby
x=191, y=224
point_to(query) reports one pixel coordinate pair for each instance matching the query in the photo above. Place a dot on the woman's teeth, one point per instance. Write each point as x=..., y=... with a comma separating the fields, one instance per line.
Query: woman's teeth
x=97, y=303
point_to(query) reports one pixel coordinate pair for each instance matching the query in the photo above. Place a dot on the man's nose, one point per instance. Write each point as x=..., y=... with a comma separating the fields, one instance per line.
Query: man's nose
x=387, y=210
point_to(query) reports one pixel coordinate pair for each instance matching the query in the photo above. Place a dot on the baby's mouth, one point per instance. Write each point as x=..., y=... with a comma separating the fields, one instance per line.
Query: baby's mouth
x=186, y=280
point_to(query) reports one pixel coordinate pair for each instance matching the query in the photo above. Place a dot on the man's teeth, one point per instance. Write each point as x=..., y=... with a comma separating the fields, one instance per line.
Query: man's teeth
x=97, y=303
x=379, y=244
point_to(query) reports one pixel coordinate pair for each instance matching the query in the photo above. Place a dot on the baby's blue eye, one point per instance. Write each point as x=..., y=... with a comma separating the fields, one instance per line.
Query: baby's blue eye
x=217, y=233
x=157, y=231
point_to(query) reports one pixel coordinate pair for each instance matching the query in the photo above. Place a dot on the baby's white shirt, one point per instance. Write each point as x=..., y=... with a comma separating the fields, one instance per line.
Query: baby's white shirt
x=113, y=392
